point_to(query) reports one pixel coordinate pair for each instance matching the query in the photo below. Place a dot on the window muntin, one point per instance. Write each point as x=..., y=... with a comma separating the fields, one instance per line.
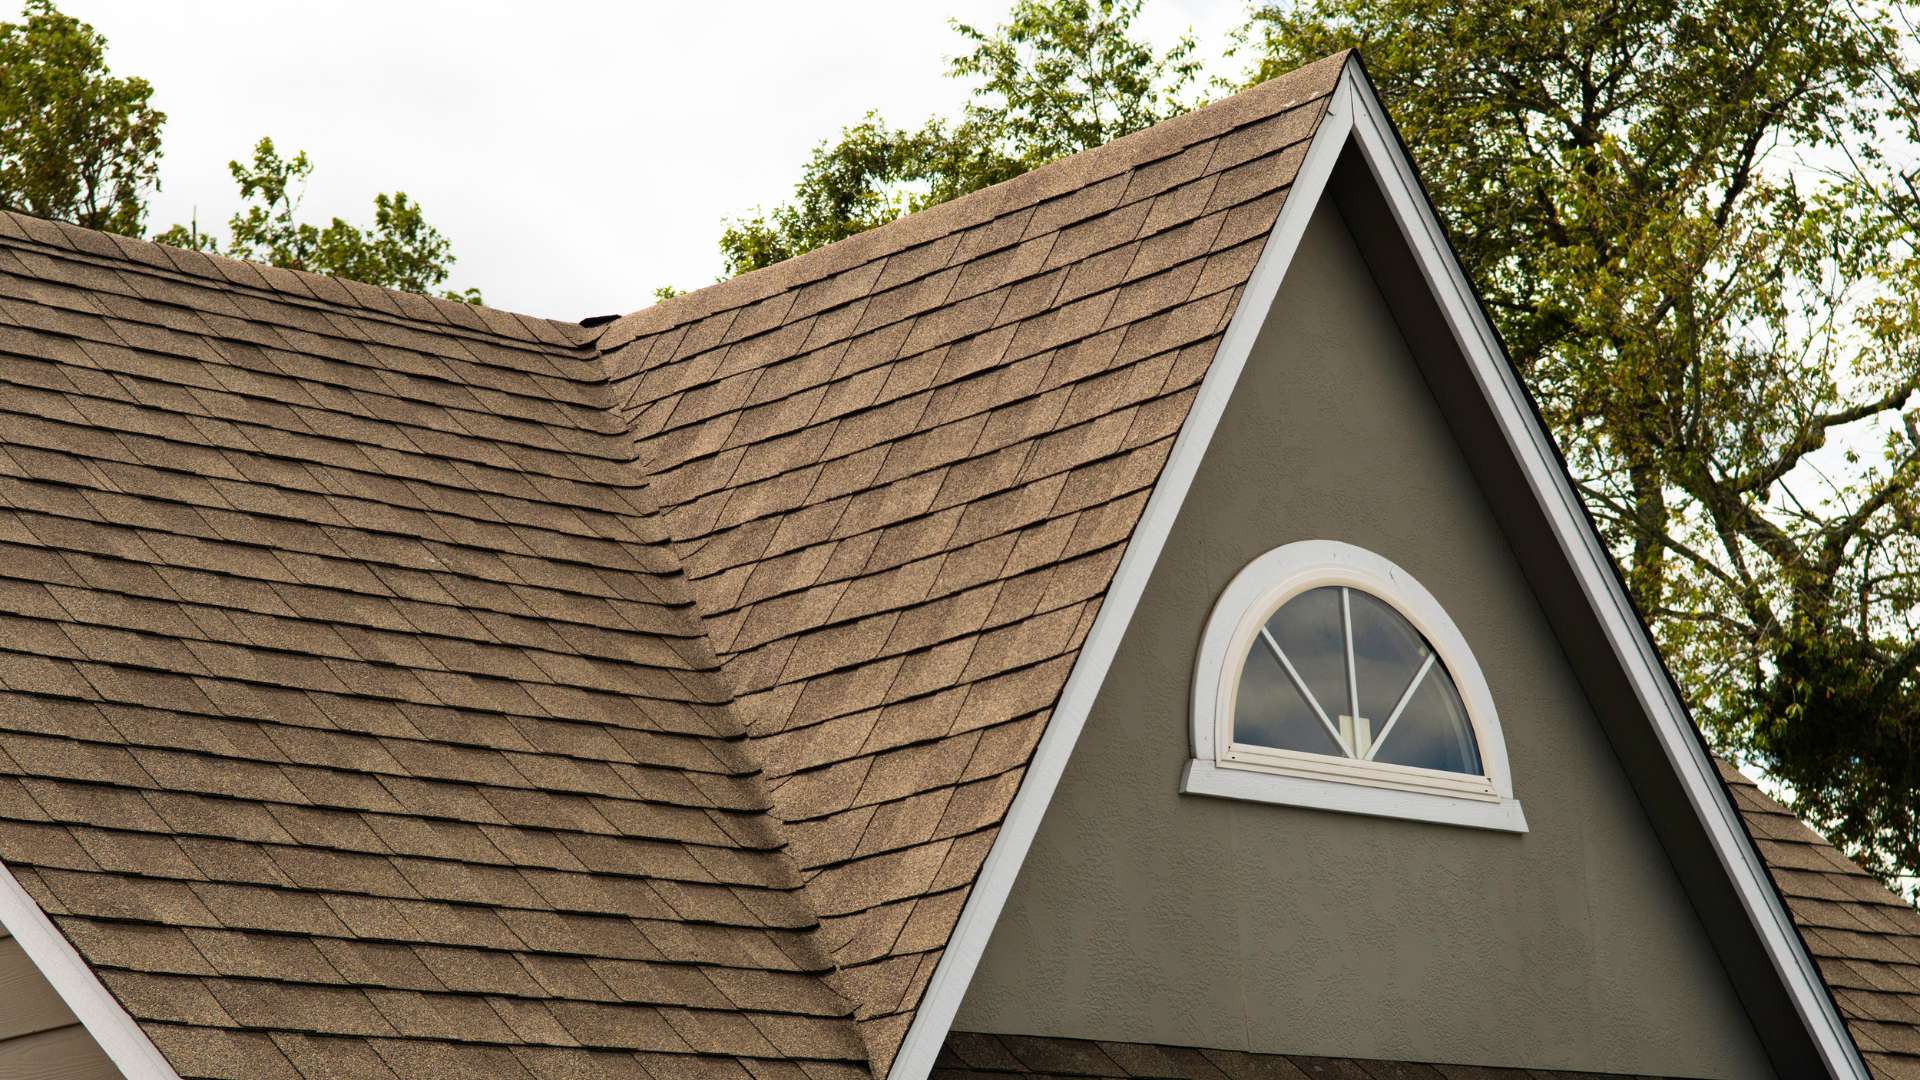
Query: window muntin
x=1337, y=671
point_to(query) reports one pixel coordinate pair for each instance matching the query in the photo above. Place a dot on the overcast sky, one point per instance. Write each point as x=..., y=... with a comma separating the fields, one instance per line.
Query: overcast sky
x=577, y=155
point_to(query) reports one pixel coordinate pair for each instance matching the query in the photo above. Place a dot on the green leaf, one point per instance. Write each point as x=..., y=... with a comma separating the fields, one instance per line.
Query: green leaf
x=1060, y=76
x=76, y=143
x=400, y=251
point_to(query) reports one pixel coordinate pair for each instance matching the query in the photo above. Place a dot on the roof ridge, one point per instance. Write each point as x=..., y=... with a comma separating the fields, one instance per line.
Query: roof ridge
x=284, y=284
x=1030, y=188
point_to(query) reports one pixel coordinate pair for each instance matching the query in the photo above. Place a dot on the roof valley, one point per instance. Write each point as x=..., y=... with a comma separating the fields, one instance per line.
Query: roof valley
x=389, y=685
x=900, y=472
x=327, y=629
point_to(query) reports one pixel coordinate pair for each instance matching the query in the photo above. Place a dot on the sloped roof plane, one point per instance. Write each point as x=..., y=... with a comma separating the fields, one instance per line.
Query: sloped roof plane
x=902, y=471
x=356, y=714
x=393, y=687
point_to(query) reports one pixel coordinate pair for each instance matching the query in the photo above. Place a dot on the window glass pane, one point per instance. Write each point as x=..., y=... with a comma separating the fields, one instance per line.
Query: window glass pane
x=1309, y=630
x=1387, y=654
x=1268, y=711
x=1433, y=732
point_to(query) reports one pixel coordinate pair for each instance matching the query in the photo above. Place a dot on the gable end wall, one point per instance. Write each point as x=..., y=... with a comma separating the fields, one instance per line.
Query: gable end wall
x=1148, y=916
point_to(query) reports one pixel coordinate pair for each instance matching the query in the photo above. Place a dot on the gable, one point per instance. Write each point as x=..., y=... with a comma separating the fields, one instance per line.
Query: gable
x=1145, y=915
x=750, y=482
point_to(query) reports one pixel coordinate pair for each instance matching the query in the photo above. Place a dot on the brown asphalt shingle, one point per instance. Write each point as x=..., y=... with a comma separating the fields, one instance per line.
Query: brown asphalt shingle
x=391, y=687
x=1865, y=940
x=354, y=717
x=900, y=472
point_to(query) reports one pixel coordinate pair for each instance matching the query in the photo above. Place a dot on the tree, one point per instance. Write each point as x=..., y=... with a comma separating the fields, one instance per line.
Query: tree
x=76, y=143
x=1694, y=225
x=1058, y=77
x=400, y=251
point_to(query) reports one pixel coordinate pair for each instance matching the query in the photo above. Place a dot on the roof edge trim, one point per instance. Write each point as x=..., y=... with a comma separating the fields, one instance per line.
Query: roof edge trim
x=968, y=941
x=1355, y=115
x=111, y=1026
x=1386, y=158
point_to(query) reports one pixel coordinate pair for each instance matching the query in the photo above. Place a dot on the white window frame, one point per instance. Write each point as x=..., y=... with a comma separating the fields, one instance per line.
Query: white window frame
x=1228, y=769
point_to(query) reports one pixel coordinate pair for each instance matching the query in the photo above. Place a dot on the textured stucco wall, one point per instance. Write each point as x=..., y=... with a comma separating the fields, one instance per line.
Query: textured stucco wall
x=1145, y=915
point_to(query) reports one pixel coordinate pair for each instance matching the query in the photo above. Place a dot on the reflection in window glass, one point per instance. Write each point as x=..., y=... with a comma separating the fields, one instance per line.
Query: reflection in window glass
x=1387, y=653
x=1269, y=711
x=1433, y=732
x=1314, y=640
x=1337, y=671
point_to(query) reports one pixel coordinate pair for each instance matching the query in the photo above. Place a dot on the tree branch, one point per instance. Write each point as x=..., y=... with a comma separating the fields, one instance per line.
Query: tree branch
x=1813, y=435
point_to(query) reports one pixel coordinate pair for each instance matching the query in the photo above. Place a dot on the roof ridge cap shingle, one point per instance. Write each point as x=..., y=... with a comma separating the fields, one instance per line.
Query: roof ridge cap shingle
x=298, y=286
x=1068, y=173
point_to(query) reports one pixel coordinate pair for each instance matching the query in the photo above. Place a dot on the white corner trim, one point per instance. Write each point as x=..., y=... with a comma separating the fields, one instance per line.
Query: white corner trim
x=93, y=1005
x=977, y=917
x=1633, y=648
x=1355, y=114
x=1345, y=797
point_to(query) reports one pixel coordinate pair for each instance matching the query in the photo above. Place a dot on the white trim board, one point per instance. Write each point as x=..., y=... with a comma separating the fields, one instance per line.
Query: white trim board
x=92, y=1003
x=1355, y=116
x=969, y=938
x=1343, y=796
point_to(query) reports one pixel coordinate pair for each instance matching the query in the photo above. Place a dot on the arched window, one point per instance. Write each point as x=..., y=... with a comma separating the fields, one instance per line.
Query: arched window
x=1329, y=677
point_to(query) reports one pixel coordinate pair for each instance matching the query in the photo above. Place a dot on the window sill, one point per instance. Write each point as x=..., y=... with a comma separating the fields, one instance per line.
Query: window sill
x=1206, y=778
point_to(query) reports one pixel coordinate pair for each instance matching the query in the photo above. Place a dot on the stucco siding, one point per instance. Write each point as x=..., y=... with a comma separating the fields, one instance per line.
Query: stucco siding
x=1144, y=915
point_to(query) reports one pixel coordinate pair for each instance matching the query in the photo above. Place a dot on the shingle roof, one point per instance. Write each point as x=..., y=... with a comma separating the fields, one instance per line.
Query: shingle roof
x=969, y=1056
x=350, y=691
x=394, y=686
x=1865, y=940
x=900, y=473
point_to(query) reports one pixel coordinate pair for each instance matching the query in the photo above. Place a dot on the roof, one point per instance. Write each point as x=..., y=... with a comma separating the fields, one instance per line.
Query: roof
x=350, y=689
x=974, y=1056
x=392, y=686
x=900, y=472
x=1865, y=939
